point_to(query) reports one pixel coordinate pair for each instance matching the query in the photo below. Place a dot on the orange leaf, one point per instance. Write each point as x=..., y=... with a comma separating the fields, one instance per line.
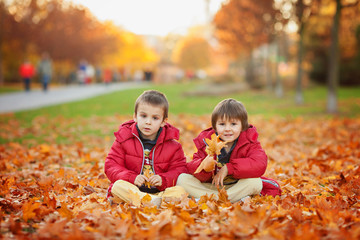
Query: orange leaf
x=148, y=173
x=214, y=145
x=208, y=164
x=28, y=210
x=65, y=212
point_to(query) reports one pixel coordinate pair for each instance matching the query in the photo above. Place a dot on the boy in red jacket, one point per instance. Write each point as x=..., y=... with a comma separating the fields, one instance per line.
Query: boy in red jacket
x=239, y=166
x=145, y=157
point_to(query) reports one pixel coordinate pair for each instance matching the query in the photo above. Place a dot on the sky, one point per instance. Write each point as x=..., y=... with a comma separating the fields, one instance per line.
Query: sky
x=152, y=17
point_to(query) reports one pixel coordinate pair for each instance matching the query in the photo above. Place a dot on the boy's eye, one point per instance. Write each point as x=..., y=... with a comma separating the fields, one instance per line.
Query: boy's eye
x=221, y=124
x=143, y=115
x=234, y=124
x=155, y=118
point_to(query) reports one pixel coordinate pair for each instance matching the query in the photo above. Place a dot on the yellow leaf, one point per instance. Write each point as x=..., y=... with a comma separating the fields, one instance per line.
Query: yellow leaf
x=204, y=206
x=146, y=198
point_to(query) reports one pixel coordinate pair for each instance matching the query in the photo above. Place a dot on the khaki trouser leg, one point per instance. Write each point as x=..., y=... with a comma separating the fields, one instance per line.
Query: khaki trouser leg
x=173, y=192
x=195, y=187
x=122, y=189
x=244, y=187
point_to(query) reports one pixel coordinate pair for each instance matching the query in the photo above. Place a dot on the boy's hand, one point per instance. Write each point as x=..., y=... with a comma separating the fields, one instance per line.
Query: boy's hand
x=219, y=177
x=140, y=180
x=155, y=180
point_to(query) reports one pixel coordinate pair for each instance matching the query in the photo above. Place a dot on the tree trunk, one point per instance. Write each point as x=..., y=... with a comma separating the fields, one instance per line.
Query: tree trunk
x=250, y=73
x=268, y=71
x=278, y=87
x=2, y=18
x=299, y=98
x=333, y=70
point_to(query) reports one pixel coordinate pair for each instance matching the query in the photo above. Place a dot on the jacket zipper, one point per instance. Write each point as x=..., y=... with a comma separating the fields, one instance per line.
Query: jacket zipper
x=143, y=160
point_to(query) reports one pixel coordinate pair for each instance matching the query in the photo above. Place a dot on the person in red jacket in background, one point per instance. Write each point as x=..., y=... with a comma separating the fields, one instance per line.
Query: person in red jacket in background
x=145, y=157
x=240, y=165
x=26, y=71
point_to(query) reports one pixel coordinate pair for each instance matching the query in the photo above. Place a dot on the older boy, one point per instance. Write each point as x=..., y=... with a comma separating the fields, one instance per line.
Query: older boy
x=145, y=157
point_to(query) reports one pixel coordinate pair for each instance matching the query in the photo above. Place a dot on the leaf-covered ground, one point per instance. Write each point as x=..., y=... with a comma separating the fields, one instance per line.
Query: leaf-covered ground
x=52, y=190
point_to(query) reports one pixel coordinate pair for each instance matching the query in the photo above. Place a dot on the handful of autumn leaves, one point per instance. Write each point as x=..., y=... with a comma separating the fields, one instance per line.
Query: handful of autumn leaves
x=214, y=147
x=148, y=173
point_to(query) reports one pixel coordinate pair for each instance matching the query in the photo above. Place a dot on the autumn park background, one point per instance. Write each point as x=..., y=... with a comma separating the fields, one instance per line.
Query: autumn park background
x=295, y=64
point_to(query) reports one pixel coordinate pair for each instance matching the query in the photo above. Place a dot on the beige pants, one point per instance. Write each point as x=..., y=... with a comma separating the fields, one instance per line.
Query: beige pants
x=123, y=189
x=196, y=188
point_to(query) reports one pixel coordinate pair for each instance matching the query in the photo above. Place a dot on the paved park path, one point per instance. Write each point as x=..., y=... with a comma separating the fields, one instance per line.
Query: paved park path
x=18, y=101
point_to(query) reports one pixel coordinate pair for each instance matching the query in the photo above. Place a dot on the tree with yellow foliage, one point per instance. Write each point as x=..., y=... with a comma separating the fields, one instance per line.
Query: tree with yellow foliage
x=192, y=53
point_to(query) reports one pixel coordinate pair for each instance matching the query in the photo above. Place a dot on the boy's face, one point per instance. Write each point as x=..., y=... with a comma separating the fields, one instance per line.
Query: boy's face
x=149, y=119
x=228, y=129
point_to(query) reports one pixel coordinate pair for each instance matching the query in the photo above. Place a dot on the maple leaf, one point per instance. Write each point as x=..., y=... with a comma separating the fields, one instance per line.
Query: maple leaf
x=214, y=145
x=213, y=148
x=208, y=164
x=65, y=211
x=29, y=210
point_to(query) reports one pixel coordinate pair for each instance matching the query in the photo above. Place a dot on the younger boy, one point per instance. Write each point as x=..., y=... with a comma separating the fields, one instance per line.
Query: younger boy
x=240, y=164
x=145, y=156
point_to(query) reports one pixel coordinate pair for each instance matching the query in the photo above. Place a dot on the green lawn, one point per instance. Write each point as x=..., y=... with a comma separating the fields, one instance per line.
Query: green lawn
x=256, y=102
x=98, y=117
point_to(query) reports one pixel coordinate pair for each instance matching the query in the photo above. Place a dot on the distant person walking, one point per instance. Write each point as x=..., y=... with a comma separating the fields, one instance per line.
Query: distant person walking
x=81, y=73
x=45, y=70
x=26, y=71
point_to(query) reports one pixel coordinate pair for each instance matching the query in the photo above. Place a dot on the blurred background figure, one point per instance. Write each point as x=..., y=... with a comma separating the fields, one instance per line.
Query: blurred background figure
x=27, y=71
x=148, y=75
x=81, y=73
x=138, y=76
x=107, y=75
x=45, y=70
x=90, y=73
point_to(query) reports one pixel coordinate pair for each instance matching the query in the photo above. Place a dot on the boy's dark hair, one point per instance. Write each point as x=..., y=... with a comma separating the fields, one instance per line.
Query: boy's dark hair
x=230, y=109
x=154, y=98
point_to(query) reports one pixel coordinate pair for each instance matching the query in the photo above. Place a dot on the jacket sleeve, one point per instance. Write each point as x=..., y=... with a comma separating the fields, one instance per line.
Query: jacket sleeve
x=115, y=165
x=198, y=157
x=251, y=166
x=176, y=167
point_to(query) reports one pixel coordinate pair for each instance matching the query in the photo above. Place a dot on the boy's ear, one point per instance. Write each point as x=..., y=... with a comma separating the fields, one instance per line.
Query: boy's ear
x=134, y=117
x=164, y=122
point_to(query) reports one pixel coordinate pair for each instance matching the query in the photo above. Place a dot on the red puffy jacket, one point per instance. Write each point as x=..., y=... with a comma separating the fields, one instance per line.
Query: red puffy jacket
x=247, y=160
x=126, y=157
x=27, y=70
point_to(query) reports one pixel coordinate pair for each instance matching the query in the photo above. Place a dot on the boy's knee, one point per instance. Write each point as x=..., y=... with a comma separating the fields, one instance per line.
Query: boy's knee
x=256, y=183
x=183, y=178
x=117, y=184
